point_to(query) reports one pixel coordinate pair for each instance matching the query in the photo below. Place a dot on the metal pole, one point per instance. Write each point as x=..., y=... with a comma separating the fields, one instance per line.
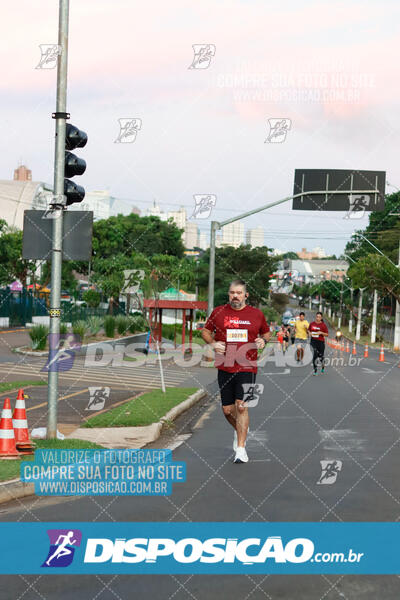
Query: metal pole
x=211, y=272
x=56, y=254
x=359, y=316
x=374, y=315
x=351, y=311
x=396, y=343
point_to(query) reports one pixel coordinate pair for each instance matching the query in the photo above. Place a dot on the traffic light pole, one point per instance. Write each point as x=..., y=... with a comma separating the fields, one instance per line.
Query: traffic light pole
x=57, y=234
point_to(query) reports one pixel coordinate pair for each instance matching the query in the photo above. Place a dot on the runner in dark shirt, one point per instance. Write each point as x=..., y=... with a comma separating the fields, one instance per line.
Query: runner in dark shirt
x=318, y=332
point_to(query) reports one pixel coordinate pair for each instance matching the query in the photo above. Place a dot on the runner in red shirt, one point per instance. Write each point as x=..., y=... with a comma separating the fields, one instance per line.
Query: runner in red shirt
x=236, y=331
x=318, y=332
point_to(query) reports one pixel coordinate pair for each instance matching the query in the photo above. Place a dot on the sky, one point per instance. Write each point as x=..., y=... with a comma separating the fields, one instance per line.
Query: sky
x=327, y=68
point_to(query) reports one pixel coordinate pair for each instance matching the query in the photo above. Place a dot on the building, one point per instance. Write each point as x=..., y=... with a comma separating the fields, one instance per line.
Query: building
x=179, y=217
x=203, y=244
x=155, y=211
x=313, y=271
x=191, y=235
x=315, y=253
x=17, y=196
x=22, y=173
x=255, y=237
x=233, y=234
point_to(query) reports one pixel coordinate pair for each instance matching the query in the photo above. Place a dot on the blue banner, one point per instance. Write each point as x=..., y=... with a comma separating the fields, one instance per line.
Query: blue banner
x=208, y=548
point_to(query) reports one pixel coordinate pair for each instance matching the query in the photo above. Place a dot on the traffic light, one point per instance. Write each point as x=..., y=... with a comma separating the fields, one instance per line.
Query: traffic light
x=74, y=138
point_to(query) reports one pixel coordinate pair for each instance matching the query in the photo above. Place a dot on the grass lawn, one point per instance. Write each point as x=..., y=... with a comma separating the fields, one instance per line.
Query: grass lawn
x=9, y=469
x=144, y=410
x=13, y=385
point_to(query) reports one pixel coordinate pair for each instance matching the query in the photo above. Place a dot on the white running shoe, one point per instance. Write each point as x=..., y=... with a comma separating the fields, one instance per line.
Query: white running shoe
x=241, y=455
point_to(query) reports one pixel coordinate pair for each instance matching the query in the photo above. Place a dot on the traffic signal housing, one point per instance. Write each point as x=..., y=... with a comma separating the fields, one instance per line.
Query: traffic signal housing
x=74, y=138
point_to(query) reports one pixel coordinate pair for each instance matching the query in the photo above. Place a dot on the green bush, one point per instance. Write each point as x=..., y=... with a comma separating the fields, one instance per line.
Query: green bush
x=122, y=324
x=38, y=335
x=109, y=326
x=92, y=298
x=63, y=328
x=94, y=324
x=80, y=328
x=137, y=324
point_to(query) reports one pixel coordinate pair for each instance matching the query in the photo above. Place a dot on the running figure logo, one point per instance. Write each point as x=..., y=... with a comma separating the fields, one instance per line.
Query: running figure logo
x=98, y=397
x=62, y=349
x=62, y=547
x=128, y=129
x=330, y=470
x=358, y=204
x=252, y=393
x=278, y=129
x=49, y=56
x=203, y=205
x=203, y=54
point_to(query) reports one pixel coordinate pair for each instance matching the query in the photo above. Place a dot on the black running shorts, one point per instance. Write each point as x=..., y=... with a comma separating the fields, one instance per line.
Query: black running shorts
x=231, y=385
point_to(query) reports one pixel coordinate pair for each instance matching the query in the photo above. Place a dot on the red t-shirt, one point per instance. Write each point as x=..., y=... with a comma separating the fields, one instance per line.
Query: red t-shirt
x=315, y=329
x=238, y=329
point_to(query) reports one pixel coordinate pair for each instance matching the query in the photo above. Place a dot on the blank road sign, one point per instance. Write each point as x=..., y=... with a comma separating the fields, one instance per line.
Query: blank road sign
x=341, y=190
x=77, y=235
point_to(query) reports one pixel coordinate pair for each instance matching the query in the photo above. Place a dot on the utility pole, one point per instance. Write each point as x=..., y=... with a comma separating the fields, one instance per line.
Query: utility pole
x=341, y=307
x=57, y=233
x=358, y=329
x=374, y=315
x=351, y=311
x=396, y=344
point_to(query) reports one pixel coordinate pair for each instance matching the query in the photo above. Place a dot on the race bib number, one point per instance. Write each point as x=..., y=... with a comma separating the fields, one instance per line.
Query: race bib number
x=236, y=335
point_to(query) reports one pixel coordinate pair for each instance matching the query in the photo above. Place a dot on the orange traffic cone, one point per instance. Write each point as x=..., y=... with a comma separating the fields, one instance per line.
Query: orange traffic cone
x=20, y=423
x=8, y=448
x=354, y=348
x=366, y=351
x=347, y=346
x=381, y=355
x=342, y=348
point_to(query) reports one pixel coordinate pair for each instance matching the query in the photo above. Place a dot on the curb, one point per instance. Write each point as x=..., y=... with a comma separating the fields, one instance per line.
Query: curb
x=13, y=489
x=134, y=437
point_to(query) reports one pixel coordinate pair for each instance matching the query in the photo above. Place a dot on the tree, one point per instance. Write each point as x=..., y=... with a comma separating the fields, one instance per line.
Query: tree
x=12, y=266
x=92, y=298
x=375, y=271
x=379, y=224
x=253, y=265
x=131, y=234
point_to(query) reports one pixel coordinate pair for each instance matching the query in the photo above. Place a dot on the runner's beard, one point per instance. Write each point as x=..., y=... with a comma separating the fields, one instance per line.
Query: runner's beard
x=236, y=304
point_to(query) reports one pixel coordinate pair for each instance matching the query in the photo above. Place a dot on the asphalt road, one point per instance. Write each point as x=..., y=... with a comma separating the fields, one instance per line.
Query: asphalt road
x=350, y=415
